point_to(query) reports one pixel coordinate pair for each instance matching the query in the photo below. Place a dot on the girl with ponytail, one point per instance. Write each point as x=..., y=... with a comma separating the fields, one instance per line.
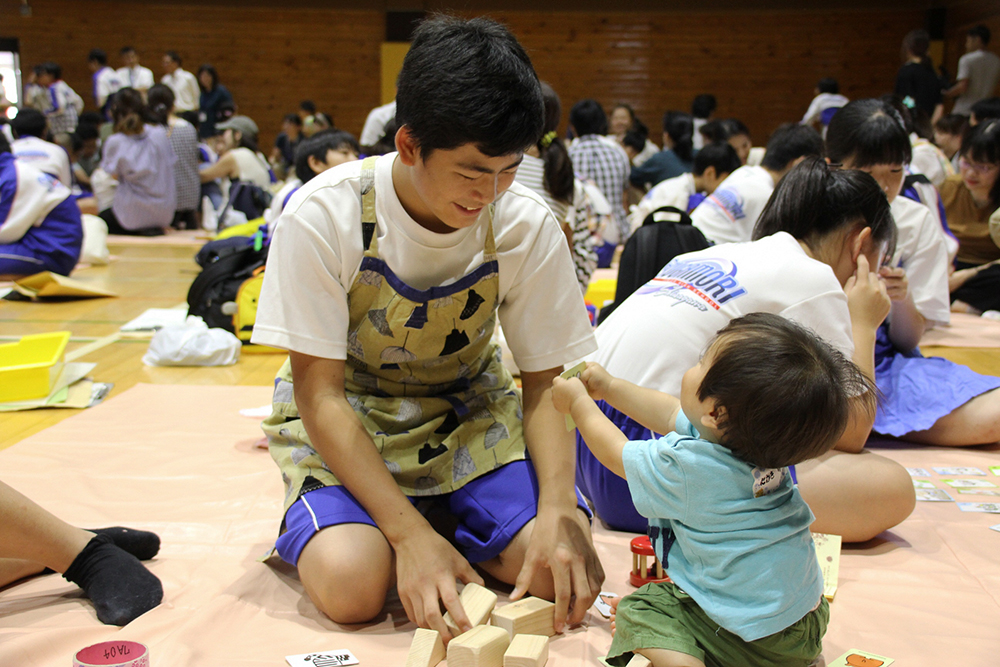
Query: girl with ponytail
x=138, y=155
x=548, y=171
x=814, y=259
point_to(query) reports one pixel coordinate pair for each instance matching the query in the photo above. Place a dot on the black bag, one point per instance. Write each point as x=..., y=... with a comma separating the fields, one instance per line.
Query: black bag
x=665, y=233
x=252, y=200
x=228, y=264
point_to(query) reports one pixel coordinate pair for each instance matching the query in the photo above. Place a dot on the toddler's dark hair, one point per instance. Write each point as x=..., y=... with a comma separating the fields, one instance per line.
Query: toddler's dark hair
x=317, y=146
x=785, y=395
x=468, y=82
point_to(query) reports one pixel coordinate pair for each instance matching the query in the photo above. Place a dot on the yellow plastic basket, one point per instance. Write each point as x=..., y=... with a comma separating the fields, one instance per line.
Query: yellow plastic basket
x=29, y=367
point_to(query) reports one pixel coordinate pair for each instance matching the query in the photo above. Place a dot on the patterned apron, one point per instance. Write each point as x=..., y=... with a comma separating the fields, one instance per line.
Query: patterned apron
x=422, y=375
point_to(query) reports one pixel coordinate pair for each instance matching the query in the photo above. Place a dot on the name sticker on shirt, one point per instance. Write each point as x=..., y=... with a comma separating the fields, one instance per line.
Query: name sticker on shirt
x=767, y=480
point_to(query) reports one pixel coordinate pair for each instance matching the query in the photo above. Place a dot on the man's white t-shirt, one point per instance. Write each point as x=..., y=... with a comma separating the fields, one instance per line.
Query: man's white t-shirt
x=185, y=87
x=375, y=123
x=661, y=330
x=921, y=250
x=674, y=192
x=106, y=83
x=44, y=156
x=982, y=70
x=729, y=214
x=317, y=249
x=138, y=77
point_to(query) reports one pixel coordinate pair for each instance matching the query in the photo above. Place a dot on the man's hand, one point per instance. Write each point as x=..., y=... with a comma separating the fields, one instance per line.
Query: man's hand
x=426, y=569
x=561, y=543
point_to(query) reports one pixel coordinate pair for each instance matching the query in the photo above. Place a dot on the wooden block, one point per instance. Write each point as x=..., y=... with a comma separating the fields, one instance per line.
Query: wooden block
x=527, y=651
x=482, y=646
x=427, y=649
x=478, y=603
x=529, y=616
x=638, y=661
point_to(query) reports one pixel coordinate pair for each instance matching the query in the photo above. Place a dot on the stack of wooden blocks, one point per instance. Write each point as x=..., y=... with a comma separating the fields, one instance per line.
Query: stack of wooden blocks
x=518, y=636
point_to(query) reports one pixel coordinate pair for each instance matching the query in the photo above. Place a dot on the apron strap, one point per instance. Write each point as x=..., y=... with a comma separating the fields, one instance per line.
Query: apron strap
x=368, y=221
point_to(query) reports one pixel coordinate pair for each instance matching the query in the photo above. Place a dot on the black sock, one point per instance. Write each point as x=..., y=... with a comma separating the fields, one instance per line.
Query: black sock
x=140, y=543
x=120, y=587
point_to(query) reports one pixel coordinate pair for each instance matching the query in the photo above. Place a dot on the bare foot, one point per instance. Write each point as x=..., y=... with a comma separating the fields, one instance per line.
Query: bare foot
x=613, y=603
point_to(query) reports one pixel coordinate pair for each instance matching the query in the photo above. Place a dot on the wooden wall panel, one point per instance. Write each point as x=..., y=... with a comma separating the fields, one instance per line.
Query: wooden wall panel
x=270, y=59
x=762, y=65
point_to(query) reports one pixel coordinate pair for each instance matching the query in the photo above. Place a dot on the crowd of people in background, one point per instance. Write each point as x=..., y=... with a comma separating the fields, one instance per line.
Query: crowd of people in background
x=151, y=155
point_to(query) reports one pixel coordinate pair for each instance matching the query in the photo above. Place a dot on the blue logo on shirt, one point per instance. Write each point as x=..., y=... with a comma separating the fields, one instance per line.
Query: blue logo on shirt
x=702, y=283
x=730, y=202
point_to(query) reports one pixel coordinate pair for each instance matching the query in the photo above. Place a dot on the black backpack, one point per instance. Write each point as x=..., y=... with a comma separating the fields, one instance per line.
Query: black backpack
x=665, y=233
x=228, y=264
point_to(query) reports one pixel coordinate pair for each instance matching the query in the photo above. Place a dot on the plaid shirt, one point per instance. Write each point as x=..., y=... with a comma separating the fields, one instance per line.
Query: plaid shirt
x=65, y=108
x=597, y=159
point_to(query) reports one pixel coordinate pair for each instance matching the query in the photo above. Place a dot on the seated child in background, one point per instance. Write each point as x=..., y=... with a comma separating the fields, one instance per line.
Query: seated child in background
x=712, y=165
x=826, y=102
x=324, y=150
x=725, y=518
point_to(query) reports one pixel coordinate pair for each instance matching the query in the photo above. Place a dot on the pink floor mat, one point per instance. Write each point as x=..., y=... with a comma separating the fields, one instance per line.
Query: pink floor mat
x=180, y=460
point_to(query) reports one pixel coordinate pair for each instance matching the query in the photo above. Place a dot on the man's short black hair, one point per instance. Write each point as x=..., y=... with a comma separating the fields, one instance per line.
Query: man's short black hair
x=828, y=85
x=783, y=394
x=318, y=146
x=29, y=123
x=91, y=118
x=986, y=108
x=308, y=106
x=953, y=123
x=588, y=117
x=173, y=55
x=720, y=155
x=703, y=106
x=982, y=32
x=98, y=56
x=87, y=131
x=125, y=50
x=292, y=118
x=52, y=69
x=635, y=140
x=790, y=142
x=469, y=82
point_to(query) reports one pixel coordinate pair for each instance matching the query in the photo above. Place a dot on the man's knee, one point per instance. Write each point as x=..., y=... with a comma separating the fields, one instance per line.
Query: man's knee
x=347, y=576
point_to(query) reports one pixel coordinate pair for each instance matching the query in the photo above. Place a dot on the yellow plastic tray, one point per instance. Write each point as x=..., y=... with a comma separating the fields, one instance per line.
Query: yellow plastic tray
x=601, y=291
x=30, y=366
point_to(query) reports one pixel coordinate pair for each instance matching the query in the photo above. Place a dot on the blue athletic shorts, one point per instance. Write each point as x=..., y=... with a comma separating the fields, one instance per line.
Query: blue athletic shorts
x=490, y=510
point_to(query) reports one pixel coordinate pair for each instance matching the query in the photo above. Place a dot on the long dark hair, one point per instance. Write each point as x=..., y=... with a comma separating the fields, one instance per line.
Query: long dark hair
x=679, y=126
x=815, y=200
x=214, y=74
x=558, y=177
x=128, y=111
x=868, y=132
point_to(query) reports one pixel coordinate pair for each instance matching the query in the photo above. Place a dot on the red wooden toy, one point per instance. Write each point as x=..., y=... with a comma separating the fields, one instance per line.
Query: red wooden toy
x=641, y=575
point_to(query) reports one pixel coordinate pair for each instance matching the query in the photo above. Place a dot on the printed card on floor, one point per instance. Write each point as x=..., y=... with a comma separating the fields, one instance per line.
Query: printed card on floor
x=919, y=472
x=981, y=492
x=856, y=658
x=923, y=484
x=996, y=527
x=934, y=495
x=995, y=470
x=337, y=658
x=828, y=555
x=969, y=483
x=990, y=508
x=959, y=471
x=603, y=603
x=567, y=374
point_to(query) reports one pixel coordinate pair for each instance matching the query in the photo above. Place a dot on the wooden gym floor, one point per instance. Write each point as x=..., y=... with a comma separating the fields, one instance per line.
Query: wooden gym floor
x=158, y=276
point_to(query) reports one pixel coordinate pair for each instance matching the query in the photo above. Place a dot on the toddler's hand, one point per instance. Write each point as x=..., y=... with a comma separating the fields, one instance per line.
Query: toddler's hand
x=564, y=392
x=896, y=284
x=597, y=379
x=867, y=298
